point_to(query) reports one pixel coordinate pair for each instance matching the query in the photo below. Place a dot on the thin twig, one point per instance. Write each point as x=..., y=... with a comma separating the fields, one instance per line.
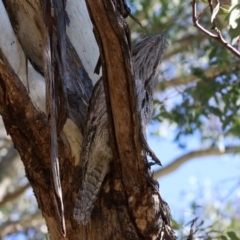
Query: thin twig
x=218, y=37
x=202, y=12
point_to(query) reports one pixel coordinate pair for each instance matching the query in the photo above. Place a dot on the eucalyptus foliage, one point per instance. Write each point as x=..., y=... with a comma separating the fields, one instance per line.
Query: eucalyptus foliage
x=204, y=73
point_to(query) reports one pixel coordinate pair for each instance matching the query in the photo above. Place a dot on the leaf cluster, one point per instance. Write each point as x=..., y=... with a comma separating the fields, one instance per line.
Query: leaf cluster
x=207, y=104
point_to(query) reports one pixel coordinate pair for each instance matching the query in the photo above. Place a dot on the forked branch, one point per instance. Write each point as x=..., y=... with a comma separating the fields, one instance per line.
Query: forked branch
x=218, y=35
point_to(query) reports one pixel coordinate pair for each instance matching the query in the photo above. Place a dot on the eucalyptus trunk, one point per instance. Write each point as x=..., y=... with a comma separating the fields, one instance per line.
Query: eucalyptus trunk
x=48, y=55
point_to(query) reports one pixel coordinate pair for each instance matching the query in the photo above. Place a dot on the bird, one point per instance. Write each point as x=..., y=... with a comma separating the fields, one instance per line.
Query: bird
x=96, y=150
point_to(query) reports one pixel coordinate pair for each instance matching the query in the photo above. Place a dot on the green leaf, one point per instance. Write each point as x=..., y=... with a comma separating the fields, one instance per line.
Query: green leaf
x=233, y=235
x=234, y=33
x=199, y=73
x=216, y=111
x=223, y=237
x=233, y=13
x=234, y=22
x=227, y=121
x=212, y=54
x=224, y=9
x=175, y=225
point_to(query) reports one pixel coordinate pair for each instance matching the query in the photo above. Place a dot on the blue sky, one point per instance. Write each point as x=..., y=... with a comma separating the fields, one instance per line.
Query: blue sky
x=178, y=187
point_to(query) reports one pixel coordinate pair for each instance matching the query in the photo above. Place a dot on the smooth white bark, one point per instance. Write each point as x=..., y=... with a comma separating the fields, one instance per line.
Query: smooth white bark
x=12, y=50
x=80, y=32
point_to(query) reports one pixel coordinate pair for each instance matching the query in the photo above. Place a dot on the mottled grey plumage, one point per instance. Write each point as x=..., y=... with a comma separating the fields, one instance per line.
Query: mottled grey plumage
x=147, y=55
x=97, y=154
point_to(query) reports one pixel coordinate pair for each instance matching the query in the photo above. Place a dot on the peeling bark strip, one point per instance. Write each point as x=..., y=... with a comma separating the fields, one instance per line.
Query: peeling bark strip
x=56, y=93
x=149, y=216
x=27, y=20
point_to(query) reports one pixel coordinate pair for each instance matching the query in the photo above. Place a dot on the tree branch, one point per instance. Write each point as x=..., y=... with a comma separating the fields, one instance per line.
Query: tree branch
x=30, y=134
x=211, y=72
x=12, y=196
x=118, y=85
x=7, y=160
x=182, y=44
x=218, y=36
x=175, y=164
x=11, y=227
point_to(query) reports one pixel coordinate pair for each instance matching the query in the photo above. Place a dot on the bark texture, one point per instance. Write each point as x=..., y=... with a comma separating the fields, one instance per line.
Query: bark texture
x=129, y=205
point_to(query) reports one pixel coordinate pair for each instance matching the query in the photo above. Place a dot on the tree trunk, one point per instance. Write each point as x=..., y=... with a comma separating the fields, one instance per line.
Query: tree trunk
x=129, y=205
